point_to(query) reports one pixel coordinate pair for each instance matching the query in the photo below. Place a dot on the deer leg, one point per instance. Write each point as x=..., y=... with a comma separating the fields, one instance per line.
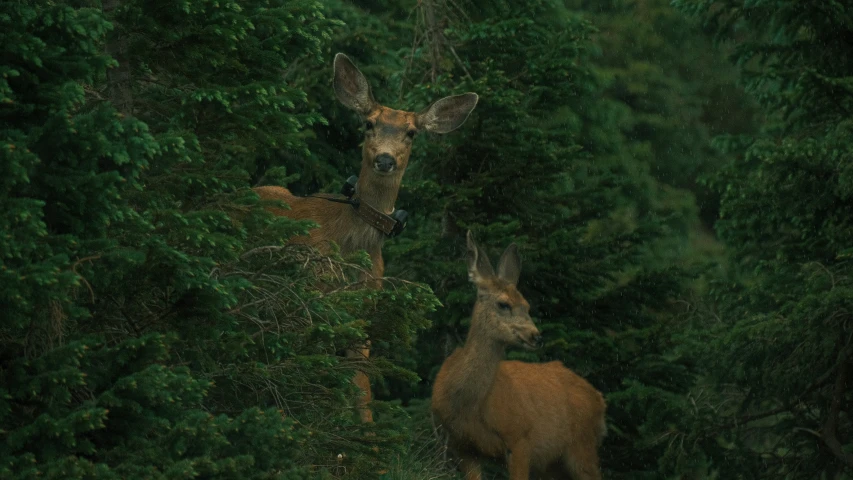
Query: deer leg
x=361, y=379
x=363, y=383
x=471, y=468
x=377, y=271
x=519, y=461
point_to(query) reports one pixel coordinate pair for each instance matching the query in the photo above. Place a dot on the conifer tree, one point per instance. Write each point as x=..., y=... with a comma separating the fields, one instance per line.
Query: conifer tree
x=674, y=91
x=76, y=406
x=777, y=343
x=64, y=163
x=145, y=285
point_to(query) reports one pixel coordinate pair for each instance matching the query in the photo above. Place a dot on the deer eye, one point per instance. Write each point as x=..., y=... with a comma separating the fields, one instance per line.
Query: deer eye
x=411, y=133
x=504, y=306
x=368, y=125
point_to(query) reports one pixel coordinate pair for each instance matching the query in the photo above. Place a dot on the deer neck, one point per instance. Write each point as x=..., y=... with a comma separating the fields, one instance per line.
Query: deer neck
x=479, y=362
x=380, y=191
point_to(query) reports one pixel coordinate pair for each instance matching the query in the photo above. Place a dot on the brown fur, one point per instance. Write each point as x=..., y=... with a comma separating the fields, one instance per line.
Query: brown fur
x=543, y=416
x=390, y=134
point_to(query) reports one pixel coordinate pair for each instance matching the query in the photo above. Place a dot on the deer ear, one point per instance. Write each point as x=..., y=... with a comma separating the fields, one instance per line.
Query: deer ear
x=509, y=266
x=479, y=268
x=351, y=87
x=447, y=114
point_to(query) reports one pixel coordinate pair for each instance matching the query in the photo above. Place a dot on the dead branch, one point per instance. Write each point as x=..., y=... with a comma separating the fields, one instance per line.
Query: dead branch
x=86, y=282
x=829, y=431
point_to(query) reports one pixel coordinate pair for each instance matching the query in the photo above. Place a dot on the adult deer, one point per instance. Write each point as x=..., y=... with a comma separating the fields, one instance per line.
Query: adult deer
x=363, y=222
x=544, y=417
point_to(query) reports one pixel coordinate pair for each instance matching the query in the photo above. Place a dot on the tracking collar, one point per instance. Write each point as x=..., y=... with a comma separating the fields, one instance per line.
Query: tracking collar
x=391, y=225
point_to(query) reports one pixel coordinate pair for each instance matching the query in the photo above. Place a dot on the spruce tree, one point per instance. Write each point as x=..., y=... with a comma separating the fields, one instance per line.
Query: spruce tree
x=75, y=406
x=776, y=343
x=674, y=91
x=158, y=328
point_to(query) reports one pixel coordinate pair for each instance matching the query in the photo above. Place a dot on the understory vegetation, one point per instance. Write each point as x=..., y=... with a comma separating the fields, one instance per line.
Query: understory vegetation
x=678, y=176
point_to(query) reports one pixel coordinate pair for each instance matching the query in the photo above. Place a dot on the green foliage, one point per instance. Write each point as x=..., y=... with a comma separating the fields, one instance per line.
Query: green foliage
x=778, y=348
x=674, y=91
x=156, y=324
x=63, y=165
x=90, y=395
x=425, y=454
x=128, y=226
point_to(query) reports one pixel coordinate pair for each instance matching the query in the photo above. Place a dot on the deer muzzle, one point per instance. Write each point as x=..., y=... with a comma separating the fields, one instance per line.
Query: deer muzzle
x=384, y=163
x=529, y=338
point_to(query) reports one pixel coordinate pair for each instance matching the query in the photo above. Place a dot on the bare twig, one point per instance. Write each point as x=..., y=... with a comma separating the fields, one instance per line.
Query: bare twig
x=74, y=269
x=829, y=431
x=461, y=64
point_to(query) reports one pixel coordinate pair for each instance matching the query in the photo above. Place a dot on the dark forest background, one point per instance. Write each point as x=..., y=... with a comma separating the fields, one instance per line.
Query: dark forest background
x=678, y=176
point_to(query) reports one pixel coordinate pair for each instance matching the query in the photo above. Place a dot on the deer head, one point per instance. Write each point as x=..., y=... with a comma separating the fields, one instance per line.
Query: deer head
x=501, y=312
x=388, y=132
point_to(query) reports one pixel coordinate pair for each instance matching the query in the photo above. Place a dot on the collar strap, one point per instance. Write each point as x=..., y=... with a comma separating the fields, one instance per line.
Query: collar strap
x=378, y=220
x=348, y=201
x=391, y=226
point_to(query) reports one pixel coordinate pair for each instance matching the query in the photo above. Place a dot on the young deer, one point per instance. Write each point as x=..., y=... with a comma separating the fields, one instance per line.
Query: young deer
x=385, y=155
x=544, y=416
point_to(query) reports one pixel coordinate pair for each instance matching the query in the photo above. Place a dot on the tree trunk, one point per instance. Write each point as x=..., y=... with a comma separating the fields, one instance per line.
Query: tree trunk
x=119, y=80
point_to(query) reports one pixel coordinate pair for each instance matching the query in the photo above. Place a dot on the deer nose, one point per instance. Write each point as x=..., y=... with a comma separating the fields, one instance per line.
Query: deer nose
x=537, y=340
x=384, y=163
